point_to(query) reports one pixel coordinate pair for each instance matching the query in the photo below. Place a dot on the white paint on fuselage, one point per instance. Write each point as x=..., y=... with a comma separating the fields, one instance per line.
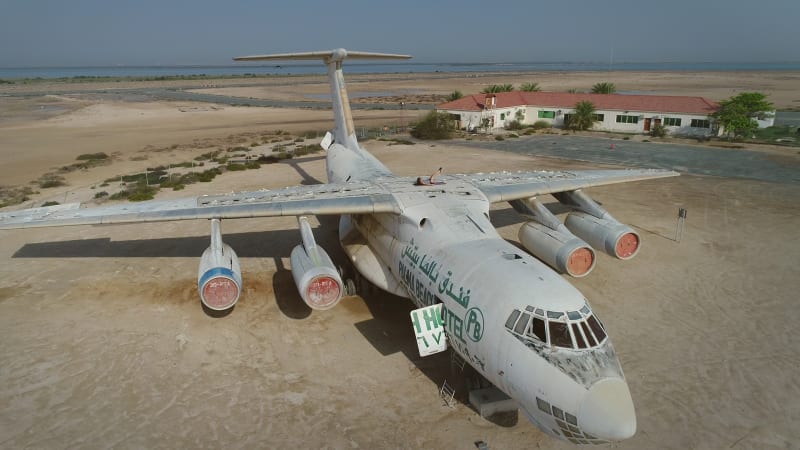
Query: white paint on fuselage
x=442, y=248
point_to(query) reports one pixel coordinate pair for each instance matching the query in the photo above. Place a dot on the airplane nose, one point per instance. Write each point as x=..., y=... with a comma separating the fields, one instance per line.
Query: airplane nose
x=607, y=411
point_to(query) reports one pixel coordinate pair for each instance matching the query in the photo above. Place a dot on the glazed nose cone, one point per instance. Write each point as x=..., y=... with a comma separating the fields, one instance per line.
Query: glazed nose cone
x=607, y=411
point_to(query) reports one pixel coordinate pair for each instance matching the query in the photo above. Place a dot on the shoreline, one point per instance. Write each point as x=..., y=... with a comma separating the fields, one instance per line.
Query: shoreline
x=781, y=87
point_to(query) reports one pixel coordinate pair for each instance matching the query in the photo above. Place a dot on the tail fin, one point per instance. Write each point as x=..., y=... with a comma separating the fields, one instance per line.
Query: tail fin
x=344, y=133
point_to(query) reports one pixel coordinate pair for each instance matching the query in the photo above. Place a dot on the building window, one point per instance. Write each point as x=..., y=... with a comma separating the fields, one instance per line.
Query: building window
x=701, y=123
x=672, y=121
x=598, y=117
x=547, y=114
x=502, y=116
x=627, y=119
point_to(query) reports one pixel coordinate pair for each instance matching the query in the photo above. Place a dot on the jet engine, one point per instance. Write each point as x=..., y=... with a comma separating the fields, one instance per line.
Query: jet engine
x=596, y=226
x=606, y=234
x=550, y=241
x=560, y=250
x=317, y=279
x=219, y=279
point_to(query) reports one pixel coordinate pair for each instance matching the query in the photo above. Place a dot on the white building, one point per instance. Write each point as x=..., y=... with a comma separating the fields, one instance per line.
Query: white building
x=614, y=112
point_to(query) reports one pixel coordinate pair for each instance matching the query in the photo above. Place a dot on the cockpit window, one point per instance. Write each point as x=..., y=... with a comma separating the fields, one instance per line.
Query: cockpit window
x=559, y=335
x=566, y=329
x=522, y=324
x=538, y=329
x=512, y=319
x=578, y=337
x=589, y=336
x=598, y=330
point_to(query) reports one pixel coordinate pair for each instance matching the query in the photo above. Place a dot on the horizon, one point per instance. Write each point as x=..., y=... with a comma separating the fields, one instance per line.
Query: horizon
x=95, y=33
x=411, y=63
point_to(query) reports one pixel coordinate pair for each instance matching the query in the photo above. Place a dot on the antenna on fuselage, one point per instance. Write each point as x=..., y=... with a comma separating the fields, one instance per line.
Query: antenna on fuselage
x=344, y=132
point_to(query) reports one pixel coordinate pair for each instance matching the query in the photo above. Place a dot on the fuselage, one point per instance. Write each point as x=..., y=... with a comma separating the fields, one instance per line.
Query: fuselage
x=516, y=321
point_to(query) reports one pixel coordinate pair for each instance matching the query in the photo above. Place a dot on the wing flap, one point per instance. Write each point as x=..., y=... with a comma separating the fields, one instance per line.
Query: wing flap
x=507, y=186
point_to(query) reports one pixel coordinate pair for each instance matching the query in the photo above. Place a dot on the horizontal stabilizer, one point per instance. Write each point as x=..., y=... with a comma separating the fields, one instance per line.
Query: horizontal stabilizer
x=334, y=55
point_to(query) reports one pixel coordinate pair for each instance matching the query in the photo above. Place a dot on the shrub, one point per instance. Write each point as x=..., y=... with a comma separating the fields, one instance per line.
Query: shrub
x=540, y=124
x=51, y=180
x=658, y=130
x=50, y=203
x=120, y=195
x=90, y=156
x=435, y=125
x=233, y=167
x=142, y=195
x=101, y=194
x=499, y=138
x=514, y=125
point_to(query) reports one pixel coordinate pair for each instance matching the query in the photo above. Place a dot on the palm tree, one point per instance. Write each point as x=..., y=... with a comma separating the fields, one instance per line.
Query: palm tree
x=583, y=118
x=604, y=88
x=530, y=87
x=455, y=95
x=498, y=88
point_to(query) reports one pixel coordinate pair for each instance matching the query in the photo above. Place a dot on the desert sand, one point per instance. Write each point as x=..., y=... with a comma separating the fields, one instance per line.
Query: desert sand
x=105, y=344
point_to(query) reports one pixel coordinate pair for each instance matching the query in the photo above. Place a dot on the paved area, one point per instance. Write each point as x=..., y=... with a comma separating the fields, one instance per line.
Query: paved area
x=700, y=160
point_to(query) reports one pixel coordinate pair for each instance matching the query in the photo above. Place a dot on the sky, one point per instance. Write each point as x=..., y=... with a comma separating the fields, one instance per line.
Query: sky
x=51, y=33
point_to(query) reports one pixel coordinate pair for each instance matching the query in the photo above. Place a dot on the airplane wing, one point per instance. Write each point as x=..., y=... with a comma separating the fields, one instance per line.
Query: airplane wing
x=320, y=199
x=507, y=186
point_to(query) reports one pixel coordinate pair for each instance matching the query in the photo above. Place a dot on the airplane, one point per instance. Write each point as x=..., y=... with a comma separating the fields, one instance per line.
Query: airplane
x=507, y=312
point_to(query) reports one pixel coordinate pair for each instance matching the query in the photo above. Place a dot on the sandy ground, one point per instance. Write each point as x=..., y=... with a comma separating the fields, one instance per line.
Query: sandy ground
x=781, y=88
x=105, y=344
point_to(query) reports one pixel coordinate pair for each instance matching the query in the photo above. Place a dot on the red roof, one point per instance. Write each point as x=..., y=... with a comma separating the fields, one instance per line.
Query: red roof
x=618, y=102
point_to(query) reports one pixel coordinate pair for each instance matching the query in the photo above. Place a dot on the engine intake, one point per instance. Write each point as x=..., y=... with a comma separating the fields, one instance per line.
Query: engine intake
x=219, y=278
x=559, y=249
x=608, y=235
x=315, y=275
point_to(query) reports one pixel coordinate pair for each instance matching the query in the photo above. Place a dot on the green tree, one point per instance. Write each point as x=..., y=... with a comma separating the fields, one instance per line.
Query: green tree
x=604, y=88
x=455, y=95
x=495, y=88
x=435, y=125
x=737, y=114
x=530, y=87
x=583, y=118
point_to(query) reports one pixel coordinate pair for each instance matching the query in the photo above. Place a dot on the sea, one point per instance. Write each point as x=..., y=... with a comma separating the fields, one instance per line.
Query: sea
x=404, y=67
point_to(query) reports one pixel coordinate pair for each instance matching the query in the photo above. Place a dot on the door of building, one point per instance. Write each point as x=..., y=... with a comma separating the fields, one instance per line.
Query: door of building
x=647, y=124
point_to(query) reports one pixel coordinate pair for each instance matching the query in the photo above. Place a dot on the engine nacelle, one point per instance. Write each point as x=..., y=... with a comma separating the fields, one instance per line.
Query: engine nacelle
x=608, y=235
x=315, y=275
x=219, y=279
x=559, y=249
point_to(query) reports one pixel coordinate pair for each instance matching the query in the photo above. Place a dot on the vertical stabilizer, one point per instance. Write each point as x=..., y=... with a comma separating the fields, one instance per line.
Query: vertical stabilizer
x=344, y=132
